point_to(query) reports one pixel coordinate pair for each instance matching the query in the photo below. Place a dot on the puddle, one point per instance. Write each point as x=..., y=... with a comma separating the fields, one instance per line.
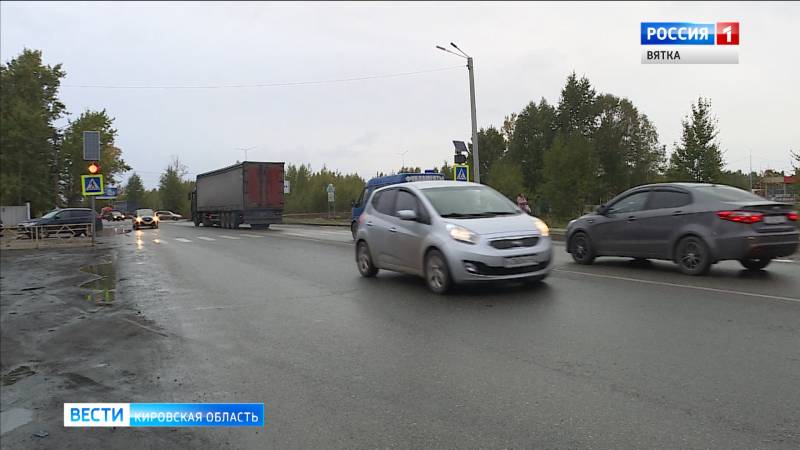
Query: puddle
x=104, y=288
x=14, y=418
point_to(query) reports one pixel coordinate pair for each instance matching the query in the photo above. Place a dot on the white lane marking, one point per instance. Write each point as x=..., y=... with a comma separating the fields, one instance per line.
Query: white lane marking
x=159, y=241
x=252, y=236
x=784, y=260
x=182, y=240
x=664, y=283
x=229, y=237
x=206, y=238
x=313, y=236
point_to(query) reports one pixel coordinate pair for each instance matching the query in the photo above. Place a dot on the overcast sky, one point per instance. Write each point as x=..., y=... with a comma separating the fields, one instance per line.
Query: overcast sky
x=522, y=51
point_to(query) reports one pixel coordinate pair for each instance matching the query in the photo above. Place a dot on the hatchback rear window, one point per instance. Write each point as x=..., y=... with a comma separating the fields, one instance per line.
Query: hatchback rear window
x=728, y=194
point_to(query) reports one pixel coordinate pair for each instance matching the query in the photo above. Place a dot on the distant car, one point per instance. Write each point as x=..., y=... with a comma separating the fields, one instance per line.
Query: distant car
x=71, y=220
x=113, y=216
x=693, y=224
x=451, y=232
x=168, y=215
x=145, y=218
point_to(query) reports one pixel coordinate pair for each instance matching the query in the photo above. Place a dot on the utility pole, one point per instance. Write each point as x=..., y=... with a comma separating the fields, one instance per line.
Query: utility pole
x=475, y=159
x=471, y=69
x=751, y=171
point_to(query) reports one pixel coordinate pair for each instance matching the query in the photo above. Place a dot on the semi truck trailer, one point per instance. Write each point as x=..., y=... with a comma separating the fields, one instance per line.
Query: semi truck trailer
x=249, y=192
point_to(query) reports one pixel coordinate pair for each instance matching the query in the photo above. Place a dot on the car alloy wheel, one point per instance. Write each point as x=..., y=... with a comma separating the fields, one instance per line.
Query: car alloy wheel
x=693, y=257
x=582, y=252
x=437, y=275
x=364, y=260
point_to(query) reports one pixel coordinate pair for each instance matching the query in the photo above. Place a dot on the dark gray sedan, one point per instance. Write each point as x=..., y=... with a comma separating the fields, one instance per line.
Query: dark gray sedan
x=694, y=224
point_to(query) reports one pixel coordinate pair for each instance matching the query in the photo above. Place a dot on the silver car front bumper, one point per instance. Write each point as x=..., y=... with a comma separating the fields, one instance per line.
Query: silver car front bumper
x=468, y=262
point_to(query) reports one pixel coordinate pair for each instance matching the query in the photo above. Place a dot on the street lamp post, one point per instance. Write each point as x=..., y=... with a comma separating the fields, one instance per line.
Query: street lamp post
x=245, y=151
x=471, y=69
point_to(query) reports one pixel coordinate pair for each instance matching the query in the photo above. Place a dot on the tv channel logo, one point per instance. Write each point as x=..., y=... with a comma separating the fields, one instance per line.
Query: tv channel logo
x=689, y=42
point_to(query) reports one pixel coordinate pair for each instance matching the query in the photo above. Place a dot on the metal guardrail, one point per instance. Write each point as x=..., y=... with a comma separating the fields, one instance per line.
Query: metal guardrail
x=40, y=236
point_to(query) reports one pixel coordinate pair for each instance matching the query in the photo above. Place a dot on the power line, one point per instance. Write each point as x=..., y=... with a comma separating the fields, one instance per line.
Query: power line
x=265, y=85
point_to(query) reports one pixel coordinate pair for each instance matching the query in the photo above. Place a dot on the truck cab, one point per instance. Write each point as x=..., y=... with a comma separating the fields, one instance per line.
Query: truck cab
x=377, y=182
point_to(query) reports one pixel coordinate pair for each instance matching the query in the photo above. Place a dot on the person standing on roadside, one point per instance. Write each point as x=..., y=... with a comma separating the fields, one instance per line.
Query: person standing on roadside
x=522, y=203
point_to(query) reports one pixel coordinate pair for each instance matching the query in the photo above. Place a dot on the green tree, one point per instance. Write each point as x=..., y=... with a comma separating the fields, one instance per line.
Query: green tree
x=738, y=179
x=171, y=188
x=697, y=157
x=134, y=190
x=506, y=177
x=627, y=146
x=492, y=147
x=111, y=162
x=533, y=133
x=572, y=167
x=576, y=107
x=30, y=160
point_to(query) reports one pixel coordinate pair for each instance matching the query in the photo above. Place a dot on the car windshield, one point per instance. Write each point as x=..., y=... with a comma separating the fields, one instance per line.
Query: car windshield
x=469, y=201
x=729, y=194
x=144, y=212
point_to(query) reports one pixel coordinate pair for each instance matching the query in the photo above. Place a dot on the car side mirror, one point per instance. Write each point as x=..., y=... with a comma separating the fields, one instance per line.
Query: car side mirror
x=407, y=214
x=602, y=210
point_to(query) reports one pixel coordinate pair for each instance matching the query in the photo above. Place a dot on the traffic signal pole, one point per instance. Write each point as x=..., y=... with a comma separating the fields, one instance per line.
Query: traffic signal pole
x=94, y=219
x=475, y=158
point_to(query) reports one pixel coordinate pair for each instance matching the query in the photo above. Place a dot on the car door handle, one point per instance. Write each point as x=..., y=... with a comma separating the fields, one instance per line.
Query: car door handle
x=369, y=224
x=393, y=229
x=631, y=218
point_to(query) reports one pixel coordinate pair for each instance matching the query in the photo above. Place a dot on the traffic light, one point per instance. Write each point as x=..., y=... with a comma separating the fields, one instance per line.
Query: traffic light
x=94, y=168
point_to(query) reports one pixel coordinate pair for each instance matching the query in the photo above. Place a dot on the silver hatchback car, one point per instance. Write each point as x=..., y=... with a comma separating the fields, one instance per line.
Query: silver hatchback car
x=451, y=232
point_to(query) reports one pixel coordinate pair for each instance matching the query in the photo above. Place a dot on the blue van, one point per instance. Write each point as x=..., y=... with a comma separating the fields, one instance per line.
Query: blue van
x=375, y=183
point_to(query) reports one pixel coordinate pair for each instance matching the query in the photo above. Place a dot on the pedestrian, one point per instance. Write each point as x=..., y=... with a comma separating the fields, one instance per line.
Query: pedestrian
x=522, y=203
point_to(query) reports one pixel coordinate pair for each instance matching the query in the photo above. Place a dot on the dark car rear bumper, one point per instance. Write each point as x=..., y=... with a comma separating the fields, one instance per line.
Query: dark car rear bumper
x=771, y=245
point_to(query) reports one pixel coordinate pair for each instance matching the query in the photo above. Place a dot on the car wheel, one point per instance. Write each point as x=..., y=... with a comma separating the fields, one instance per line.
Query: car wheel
x=581, y=248
x=354, y=229
x=692, y=256
x=437, y=274
x=755, y=263
x=364, y=261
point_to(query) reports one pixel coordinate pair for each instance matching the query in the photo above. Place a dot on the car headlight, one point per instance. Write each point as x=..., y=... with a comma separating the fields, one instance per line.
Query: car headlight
x=138, y=219
x=544, y=230
x=155, y=218
x=462, y=234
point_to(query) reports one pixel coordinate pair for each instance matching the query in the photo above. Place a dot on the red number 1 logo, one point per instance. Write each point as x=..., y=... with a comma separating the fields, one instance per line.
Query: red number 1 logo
x=727, y=33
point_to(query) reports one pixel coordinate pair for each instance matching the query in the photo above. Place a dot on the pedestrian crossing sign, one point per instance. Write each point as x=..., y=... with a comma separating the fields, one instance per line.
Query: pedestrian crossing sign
x=92, y=184
x=461, y=172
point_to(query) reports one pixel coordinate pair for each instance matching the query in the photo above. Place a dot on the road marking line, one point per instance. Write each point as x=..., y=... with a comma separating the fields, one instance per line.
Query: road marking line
x=252, y=236
x=784, y=260
x=182, y=240
x=159, y=241
x=664, y=283
x=206, y=238
x=230, y=237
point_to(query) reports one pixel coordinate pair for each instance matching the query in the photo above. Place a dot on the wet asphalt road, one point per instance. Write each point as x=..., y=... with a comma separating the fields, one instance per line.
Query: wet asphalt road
x=614, y=355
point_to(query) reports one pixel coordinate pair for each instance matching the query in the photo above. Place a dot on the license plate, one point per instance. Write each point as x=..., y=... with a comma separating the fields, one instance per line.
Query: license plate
x=519, y=261
x=774, y=219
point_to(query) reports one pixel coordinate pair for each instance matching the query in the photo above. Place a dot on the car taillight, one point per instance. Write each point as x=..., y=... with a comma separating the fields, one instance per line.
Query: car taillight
x=792, y=216
x=741, y=216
